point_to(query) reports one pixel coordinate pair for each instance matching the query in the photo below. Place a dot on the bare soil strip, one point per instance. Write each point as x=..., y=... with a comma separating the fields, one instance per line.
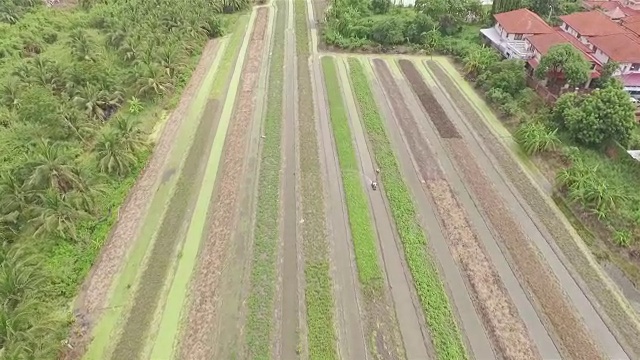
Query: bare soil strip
x=289, y=329
x=93, y=294
x=318, y=291
x=625, y=323
x=500, y=315
x=199, y=327
x=575, y=340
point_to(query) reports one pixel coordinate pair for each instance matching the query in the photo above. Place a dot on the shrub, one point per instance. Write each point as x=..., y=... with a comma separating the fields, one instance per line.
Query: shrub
x=535, y=137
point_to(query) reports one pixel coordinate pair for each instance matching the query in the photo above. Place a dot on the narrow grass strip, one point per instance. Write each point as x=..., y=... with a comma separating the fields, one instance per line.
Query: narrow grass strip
x=362, y=234
x=318, y=290
x=266, y=237
x=445, y=333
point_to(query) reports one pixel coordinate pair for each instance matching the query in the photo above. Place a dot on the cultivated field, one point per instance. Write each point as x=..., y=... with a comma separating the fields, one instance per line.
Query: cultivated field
x=255, y=232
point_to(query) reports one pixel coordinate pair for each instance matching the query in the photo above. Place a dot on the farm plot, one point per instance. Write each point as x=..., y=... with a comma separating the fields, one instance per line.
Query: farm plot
x=490, y=296
x=574, y=339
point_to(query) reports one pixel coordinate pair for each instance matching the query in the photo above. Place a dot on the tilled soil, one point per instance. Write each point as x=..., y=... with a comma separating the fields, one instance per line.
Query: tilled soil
x=610, y=302
x=507, y=330
x=197, y=336
x=575, y=341
x=439, y=118
x=94, y=291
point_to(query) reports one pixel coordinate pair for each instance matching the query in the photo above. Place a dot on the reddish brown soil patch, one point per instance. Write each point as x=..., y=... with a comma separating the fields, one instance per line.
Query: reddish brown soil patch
x=93, y=294
x=499, y=314
x=197, y=337
x=575, y=340
x=436, y=112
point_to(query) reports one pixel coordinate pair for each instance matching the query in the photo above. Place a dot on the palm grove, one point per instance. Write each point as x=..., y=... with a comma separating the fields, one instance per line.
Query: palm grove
x=75, y=84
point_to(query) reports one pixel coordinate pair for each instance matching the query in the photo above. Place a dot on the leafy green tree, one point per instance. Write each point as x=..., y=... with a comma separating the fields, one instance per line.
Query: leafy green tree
x=500, y=6
x=380, y=6
x=606, y=73
x=604, y=115
x=478, y=61
x=506, y=75
x=450, y=14
x=564, y=60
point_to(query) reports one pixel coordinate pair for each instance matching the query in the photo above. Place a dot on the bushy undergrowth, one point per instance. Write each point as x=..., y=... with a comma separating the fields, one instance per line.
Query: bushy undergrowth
x=433, y=298
x=78, y=89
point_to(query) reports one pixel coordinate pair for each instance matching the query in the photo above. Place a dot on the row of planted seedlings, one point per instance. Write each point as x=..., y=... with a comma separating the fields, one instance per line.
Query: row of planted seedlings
x=439, y=315
x=379, y=320
x=533, y=272
x=615, y=307
x=266, y=236
x=318, y=291
x=490, y=297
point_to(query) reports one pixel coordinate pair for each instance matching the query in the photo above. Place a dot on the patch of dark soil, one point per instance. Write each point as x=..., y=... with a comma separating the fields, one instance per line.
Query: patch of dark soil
x=438, y=116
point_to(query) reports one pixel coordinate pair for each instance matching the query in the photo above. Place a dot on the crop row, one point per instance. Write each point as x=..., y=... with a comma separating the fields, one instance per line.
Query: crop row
x=614, y=307
x=439, y=315
x=490, y=296
x=318, y=286
x=575, y=340
x=360, y=222
x=261, y=301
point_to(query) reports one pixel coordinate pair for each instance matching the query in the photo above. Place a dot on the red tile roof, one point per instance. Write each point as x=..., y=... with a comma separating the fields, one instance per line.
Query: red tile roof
x=543, y=42
x=634, y=27
x=619, y=47
x=631, y=19
x=522, y=21
x=592, y=23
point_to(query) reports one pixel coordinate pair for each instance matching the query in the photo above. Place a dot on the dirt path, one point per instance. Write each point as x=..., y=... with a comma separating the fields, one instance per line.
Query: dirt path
x=502, y=310
x=289, y=309
x=408, y=314
x=198, y=340
x=352, y=343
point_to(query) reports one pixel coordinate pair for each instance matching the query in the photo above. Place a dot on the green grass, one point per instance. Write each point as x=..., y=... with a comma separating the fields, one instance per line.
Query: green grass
x=230, y=57
x=318, y=286
x=446, y=336
x=362, y=232
x=267, y=232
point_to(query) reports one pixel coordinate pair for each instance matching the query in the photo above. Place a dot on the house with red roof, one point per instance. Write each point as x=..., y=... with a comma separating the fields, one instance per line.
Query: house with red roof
x=540, y=44
x=524, y=35
x=511, y=29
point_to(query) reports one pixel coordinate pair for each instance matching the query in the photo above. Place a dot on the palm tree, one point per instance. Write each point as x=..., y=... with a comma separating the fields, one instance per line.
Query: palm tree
x=131, y=136
x=97, y=103
x=47, y=73
x=19, y=275
x=9, y=93
x=113, y=156
x=169, y=57
x=80, y=45
x=53, y=215
x=152, y=80
x=116, y=38
x=51, y=168
x=477, y=61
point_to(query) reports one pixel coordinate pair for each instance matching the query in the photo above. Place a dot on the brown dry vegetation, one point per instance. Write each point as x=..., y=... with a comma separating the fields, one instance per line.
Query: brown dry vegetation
x=612, y=304
x=489, y=294
x=575, y=340
x=499, y=314
x=196, y=338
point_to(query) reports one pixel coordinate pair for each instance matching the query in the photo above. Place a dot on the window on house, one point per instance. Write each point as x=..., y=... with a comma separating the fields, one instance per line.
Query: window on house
x=518, y=37
x=634, y=67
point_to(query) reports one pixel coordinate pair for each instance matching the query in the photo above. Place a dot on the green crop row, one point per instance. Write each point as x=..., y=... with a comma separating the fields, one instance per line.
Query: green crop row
x=362, y=232
x=318, y=290
x=445, y=333
x=267, y=232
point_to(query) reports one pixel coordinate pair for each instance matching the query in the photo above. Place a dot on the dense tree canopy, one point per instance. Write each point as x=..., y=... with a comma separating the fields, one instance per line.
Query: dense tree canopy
x=74, y=84
x=605, y=115
x=564, y=61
